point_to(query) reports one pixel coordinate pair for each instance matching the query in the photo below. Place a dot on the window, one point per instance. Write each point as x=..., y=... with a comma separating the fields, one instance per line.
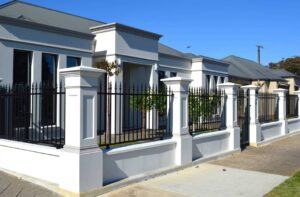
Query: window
x=222, y=79
x=22, y=67
x=73, y=61
x=161, y=75
x=207, y=82
x=49, y=69
x=173, y=74
x=49, y=100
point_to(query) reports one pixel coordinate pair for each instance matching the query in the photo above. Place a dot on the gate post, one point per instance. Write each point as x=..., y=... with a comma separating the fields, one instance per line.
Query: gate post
x=282, y=109
x=179, y=118
x=254, y=127
x=298, y=102
x=81, y=157
x=231, y=90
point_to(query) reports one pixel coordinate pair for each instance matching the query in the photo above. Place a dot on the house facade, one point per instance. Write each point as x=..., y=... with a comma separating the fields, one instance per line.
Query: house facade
x=36, y=42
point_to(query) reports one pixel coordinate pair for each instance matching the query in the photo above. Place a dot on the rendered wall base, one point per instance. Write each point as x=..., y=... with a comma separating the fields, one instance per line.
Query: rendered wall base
x=208, y=144
x=293, y=125
x=271, y=130
x=82, y=170
x=121, y=163
x=39, y=162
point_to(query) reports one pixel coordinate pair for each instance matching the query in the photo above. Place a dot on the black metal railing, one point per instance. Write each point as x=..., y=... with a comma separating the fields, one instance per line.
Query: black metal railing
x=206, y=110
x=291, y=106
x=131, y=115
x=33, y=114
x=267, y=107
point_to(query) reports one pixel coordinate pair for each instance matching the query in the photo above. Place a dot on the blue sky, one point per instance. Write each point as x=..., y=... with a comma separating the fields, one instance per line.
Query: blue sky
x=215, y=28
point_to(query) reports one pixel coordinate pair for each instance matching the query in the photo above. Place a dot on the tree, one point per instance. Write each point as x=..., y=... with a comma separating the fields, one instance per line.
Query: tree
x=290, y=64
x=111, y=68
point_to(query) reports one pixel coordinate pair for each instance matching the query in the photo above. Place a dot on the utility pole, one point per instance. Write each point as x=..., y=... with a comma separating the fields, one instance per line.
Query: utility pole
x=258, y=52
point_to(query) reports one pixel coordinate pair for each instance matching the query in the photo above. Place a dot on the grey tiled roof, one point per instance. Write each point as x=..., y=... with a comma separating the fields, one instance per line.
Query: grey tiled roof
x=248, y=69
x=164, y=49
x=32, y=13
x=283, y=73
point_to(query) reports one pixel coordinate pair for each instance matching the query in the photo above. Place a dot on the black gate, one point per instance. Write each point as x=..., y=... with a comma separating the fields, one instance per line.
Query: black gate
x=243, y=103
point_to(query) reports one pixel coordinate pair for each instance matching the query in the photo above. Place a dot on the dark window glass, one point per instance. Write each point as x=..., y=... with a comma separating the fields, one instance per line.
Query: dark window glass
x=222, y=79
x=173, y=74
x=22, y=67
x=207, y=82
x=49, y=69
x=49, y=100
x=21, y=75
x=161, y=75
x=73, y=61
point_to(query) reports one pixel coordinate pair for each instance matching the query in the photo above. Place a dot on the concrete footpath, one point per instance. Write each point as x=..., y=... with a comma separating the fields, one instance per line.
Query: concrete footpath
x=12, y=186
x=205, y=180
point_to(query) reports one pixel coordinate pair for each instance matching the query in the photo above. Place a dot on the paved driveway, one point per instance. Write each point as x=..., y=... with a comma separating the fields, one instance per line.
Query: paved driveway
x=281, y=157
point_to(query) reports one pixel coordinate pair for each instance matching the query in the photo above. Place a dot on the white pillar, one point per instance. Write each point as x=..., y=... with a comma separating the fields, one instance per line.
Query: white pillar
x=179, y=119
x=231, y=90
x=254, y=127
x=298, y=94
x=81, y=158
x=211, y=83
x=282, y=109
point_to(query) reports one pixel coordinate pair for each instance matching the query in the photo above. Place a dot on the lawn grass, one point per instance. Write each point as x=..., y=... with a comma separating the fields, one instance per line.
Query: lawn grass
x=289, y=188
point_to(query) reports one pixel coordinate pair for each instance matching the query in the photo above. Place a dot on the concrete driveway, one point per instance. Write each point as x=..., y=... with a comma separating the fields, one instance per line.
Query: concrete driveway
x=251, y=173
x=281, y=158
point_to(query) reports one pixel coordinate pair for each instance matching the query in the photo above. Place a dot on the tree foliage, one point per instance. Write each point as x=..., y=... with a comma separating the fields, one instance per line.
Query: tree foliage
x=290, y=64
x=111, y=68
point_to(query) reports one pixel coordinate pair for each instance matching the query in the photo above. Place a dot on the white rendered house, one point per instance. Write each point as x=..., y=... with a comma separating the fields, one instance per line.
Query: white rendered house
x=36, y=42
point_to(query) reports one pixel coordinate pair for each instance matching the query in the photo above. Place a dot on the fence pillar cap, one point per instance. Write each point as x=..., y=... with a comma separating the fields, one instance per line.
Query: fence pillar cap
x=251, y=87
x=174, y=80
x=82, y=71
x=228, y=85
x=280, y=90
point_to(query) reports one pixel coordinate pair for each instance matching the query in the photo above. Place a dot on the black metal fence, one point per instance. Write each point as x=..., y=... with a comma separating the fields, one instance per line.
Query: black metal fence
x=33, y=114
x=135, y=114
x=268, y=107
x=206, y=110
x=291, y=106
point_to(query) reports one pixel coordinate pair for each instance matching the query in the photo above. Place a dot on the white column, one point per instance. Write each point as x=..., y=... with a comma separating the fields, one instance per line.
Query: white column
x=298, y=94
x=179, y=119
x=152, y=115
x=254, y=127
x=36, y=71
x=282, y=109
x=211, y=82
x=81, y=158
x=231, y=90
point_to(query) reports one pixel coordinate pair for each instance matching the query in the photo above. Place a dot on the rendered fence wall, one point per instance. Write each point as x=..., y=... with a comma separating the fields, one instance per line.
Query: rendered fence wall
x=294, y=125
x=137, y=159
x=270, y=130
x=210, y=144
x=40, y=162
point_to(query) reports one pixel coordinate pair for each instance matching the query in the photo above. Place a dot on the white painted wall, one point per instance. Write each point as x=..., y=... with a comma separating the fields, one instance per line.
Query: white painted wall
x=36, y=161
x=137, y=159
x=270, y=130
x=6, y=58
x=210, y=144
x=293, y=125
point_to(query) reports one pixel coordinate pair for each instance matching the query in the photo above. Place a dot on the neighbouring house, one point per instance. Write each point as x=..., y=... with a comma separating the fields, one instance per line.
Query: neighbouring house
x=292, y=79
x=245, y=72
